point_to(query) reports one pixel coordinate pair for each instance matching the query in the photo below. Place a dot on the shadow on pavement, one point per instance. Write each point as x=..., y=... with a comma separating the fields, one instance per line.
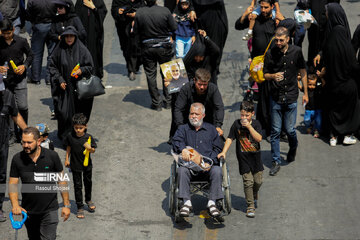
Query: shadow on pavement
x=238, y=203
x=47, y=102
x=162, y=148
x=116, y=68
x=137, y=97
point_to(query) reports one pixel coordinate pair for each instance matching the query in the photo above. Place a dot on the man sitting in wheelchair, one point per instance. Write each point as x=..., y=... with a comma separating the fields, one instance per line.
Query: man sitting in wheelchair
x=204, y=139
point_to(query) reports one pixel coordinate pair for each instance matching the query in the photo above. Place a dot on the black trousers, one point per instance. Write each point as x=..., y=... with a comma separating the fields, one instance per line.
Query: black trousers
x=4, y=150
x=42, y=226
x=78, y=178
x=173, y=127
x=129, y=45
x=152, y=56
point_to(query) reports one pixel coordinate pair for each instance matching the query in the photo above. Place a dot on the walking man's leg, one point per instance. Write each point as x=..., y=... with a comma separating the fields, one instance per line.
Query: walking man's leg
x=276, y=122
x=289, y=122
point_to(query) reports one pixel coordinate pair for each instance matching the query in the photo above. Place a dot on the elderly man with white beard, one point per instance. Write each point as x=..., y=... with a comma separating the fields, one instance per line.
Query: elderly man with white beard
x=204, y=138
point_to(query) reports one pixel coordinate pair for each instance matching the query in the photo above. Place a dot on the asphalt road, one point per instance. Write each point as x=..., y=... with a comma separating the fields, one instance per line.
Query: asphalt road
x=316, y=197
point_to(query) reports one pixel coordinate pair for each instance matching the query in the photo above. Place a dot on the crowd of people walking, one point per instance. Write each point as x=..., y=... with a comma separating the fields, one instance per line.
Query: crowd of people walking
x=196, y=31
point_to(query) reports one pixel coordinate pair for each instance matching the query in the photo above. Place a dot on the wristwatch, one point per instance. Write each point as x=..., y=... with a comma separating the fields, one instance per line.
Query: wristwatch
x=67, y=206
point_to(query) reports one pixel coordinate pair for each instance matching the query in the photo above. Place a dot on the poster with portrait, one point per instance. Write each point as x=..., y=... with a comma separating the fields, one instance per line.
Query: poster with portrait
x=175, y=75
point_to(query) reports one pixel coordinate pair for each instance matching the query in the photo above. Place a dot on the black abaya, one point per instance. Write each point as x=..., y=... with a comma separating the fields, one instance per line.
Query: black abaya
x=211, y=53
x=93, y=23
x=63, y=59
x=343, y=104
x=213, y=19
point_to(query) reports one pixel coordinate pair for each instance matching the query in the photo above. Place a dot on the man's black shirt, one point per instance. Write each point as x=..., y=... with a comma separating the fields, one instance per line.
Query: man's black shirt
x=263, y=31
x=154, y=22
x=212, y=100
x=15, y=51
x=290, y=62
x=40, y=11
x=77, y=148
x=23, y=167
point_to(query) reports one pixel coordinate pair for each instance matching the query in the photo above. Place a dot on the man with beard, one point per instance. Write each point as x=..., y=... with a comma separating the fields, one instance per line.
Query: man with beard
x=203, y=138
x=281, y=67
x=262, y=34
x=202, y=91
x=177, y=81
x=39, y=196
x=8, y=109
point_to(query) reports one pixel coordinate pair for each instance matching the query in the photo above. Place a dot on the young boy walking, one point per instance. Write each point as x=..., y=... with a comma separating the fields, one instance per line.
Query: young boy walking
x=247, y=133
x=79, y=147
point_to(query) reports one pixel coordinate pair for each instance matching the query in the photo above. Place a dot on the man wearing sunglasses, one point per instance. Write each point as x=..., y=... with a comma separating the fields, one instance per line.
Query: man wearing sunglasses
x=281, y=66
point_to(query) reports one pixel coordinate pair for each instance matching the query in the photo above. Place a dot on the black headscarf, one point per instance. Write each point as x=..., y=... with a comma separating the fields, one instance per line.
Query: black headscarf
x=336, y=16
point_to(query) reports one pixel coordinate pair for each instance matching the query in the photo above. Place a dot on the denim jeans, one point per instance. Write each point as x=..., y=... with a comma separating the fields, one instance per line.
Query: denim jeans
x=38, y=40
x=183, y=45
x=313, y=115
x=280, y=112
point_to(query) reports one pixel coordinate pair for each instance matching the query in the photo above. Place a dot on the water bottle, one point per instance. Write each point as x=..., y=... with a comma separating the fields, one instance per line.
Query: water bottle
x=5, y=74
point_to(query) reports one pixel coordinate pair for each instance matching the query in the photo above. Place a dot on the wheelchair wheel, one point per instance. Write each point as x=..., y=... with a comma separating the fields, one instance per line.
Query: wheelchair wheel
x=226, y=189
x=172, y=190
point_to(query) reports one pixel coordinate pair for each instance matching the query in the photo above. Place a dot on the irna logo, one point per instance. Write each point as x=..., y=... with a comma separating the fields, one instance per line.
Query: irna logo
x=51, y=177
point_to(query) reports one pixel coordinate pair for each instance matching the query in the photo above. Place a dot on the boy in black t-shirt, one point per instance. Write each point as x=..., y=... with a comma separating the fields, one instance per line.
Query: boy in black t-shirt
x=79, y=146
x=247, y=133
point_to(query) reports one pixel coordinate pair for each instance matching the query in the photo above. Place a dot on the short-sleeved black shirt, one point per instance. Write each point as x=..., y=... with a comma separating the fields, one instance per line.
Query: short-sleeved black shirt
x=290, y=62
x=247, y=149
x=23, y=167
x=7, y=108
x=77, y=151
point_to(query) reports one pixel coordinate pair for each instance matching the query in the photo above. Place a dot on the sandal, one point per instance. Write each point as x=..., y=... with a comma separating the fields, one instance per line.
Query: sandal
x=250, y=212
x=214, y=212
x=91, y=206
x=80, y=213
x=185, y=210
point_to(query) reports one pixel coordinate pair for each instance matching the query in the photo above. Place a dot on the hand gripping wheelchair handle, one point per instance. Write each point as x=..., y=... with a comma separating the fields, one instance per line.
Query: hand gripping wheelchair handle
x=17, y=224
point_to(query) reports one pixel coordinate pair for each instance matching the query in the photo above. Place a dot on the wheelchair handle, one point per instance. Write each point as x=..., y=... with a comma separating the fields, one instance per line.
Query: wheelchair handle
x=222, y=159
x=18, y=224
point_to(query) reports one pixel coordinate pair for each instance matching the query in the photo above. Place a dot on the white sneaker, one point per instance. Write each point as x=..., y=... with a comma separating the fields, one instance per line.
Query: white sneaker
x=348, y=140
x=333, y=142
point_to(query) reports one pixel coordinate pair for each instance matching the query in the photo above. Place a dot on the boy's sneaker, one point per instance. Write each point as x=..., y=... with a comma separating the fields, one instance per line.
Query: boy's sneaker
x=333, y=142
x=316, y=134
x=349, y=140
x=247, y=37
x=250, y=212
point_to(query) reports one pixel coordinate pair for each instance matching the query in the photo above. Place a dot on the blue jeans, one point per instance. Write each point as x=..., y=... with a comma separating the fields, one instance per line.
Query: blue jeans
x=313, y=115
x=183, y=45
x=38, y=40
x=280, y=112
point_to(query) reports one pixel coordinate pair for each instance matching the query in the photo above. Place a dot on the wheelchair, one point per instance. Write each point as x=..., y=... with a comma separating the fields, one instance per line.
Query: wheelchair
x=175, y=204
